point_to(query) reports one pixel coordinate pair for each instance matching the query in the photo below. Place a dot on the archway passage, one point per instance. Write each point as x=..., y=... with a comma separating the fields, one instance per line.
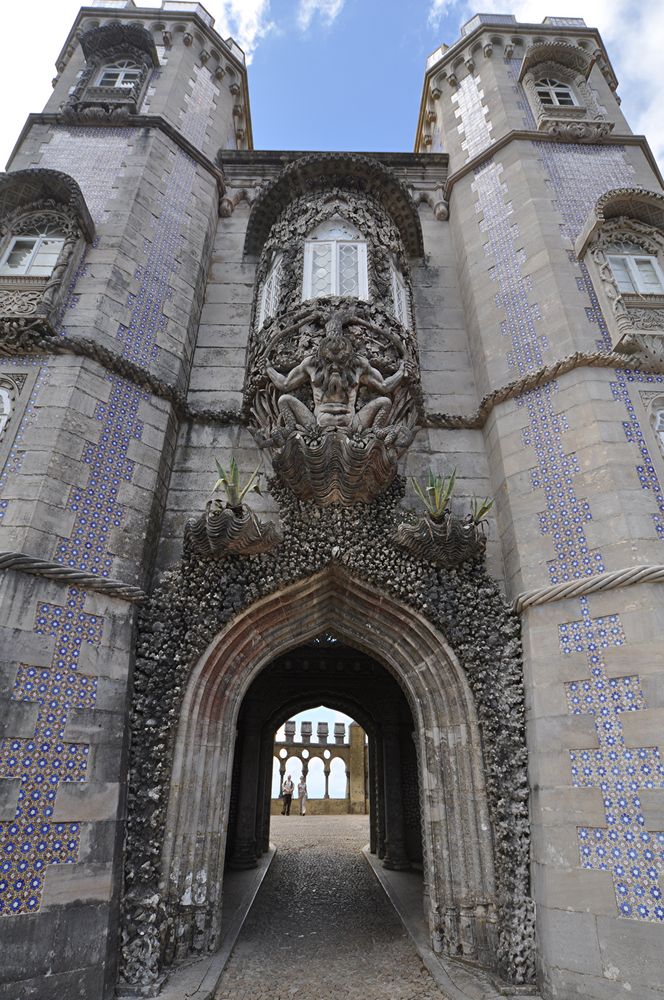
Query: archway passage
x=349, y=681
x=456, y=837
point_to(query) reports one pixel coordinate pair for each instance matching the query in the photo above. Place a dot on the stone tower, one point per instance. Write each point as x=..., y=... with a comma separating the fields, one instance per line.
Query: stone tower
x=492, y=303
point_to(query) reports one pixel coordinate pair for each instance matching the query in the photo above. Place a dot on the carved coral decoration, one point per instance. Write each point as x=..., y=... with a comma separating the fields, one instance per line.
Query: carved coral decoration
x=446, y=543
x=222, y=531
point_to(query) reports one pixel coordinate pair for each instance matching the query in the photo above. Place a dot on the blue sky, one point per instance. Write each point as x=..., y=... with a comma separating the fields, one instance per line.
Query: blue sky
x=343, y=74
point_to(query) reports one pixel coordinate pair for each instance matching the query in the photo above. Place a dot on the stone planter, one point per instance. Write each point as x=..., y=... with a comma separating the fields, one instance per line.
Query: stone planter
x=447, y=543
x=223, y=531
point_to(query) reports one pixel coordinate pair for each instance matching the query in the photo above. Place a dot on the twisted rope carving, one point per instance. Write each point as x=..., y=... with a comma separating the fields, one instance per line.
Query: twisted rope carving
x=54, y=571
x=589, y=585
x=32, y=337
x=476, y=420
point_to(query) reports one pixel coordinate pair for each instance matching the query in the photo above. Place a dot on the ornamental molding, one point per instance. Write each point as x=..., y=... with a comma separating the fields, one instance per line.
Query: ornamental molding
x=107, y=40
x=29, y=190
x=289, y=232
x=628, y=310
x=633, y=203
x=577, y=131
x=110, y=99
x=333, y=395
x=541, y=55
x=587, y=111
x=317, y=173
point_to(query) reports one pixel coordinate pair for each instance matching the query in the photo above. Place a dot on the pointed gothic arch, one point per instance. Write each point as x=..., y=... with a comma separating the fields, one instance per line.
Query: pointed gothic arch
x=458, y=850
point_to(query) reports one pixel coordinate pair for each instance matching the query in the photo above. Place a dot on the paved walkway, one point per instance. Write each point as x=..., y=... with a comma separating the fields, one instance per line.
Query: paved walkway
x=321, y=927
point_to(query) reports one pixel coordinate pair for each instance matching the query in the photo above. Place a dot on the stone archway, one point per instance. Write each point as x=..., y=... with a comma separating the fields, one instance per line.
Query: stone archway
x=457, y=841
x=211, y=624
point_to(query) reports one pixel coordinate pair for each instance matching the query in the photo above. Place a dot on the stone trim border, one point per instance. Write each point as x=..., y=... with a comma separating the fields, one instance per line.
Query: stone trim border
x=19, y=337
x=589, y=585
x=23, y=563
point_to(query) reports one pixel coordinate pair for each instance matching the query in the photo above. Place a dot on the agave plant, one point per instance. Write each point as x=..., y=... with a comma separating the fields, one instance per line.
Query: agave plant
x=229, y=482
x=479, y=509
x=436, y=494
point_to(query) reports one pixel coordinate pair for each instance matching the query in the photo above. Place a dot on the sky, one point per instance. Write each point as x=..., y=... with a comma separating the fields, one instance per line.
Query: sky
x=342, y=74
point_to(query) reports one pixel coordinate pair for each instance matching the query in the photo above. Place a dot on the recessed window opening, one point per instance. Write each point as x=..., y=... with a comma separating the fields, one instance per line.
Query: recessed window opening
x=34, y=254
x=123, y=73
x=636, y=272
x=6, y=405
x=270, y=292
x=553, y=93
x=335, y=261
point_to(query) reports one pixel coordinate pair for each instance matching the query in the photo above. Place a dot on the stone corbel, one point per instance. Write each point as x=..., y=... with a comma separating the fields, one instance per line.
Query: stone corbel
x=469, y=63
x=219, y=73
x=435, y=93
x=508, y=51
x=187, y=38
x=487, y=50
x=234, y=89
x=167, y=39
x=204, y=56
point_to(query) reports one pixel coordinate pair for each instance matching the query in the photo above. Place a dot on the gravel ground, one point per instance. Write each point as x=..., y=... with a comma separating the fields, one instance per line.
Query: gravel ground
x=321, y=927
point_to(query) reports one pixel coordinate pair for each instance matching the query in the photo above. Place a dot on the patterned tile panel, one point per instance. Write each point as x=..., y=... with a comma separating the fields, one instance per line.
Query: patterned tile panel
x=200, y=104
x=633, y=855
x=472, y=114
x=32, y=841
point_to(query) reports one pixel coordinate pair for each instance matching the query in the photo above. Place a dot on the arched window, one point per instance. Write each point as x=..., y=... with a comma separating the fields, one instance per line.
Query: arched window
x=269, y=296
x=635, y=272
x=33, y=254
x=335, y=261
x=553, y=93
x=120, y=73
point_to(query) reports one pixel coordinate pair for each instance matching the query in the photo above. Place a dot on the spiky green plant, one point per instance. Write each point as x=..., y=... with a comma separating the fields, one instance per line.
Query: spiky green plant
x=436, y=494
x=479, y=509
x=229, y=483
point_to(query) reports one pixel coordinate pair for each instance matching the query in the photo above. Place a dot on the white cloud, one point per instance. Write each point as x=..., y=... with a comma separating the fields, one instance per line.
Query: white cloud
x=247, y=21
x=327, y=10
x=438, y=9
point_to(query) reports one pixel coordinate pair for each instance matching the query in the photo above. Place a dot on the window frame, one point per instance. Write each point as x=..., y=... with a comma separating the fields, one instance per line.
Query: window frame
x=39, y=241
x=270, y=293
x=400, y=291
x=630, y=259
x=115, y=66
x=550, y=85
x=362, y=268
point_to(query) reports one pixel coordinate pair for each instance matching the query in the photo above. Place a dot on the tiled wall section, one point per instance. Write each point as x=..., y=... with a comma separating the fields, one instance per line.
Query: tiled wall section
x=200, y=106
x=32, y=840
x=26, y=418
x=624, y=847
x=472, y=114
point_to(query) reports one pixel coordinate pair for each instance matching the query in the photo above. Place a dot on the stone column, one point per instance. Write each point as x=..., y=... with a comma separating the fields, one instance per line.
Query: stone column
x=245, y=852
x=327, y=779
x=395, y=849
x=355, y=771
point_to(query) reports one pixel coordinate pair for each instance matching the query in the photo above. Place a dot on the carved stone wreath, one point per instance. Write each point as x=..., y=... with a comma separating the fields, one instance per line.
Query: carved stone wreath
x=200, y=596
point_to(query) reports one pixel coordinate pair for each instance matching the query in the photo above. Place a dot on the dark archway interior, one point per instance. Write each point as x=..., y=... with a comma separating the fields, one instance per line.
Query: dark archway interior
x=327, y=672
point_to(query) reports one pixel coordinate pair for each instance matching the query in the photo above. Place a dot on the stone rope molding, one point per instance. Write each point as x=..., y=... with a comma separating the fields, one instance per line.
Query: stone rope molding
x=20, y=336
x=589, y=585
x=54, y=571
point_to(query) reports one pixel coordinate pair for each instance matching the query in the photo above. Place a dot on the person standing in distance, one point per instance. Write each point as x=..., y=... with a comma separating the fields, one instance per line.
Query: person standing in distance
x=287, y=789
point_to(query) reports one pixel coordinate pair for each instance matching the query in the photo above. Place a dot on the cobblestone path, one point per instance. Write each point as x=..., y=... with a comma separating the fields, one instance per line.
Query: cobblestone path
x=321, y=927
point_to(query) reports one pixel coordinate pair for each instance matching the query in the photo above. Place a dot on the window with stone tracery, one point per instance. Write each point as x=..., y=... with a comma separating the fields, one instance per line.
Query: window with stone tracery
x=554, y=93
x=269, y=297
x=120, y=73
x=635, y=272
x=33, y=253
x=400, y=296
x=6, y=407
x=335, y=261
